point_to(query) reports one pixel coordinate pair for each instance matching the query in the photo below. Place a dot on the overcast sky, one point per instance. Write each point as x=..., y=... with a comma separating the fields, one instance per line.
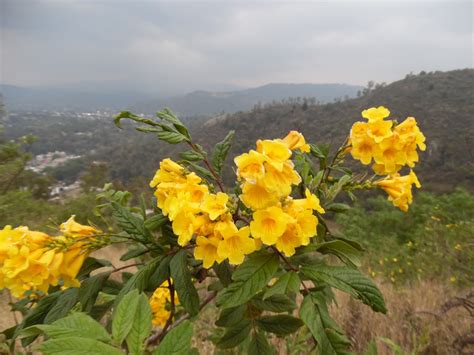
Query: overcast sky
x=178, y=46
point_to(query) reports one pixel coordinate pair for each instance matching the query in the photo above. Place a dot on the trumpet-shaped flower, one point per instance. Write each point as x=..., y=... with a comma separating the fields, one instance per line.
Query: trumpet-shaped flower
x=399, y=189
x=236, y=245
x=250, y=166
x=295, y=140
x=215, y=205
x=376, y=113
x=269, y=224
x=206, y=250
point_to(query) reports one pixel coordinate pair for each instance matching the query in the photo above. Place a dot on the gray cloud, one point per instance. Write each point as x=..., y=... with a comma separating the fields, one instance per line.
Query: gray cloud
x=181, y=46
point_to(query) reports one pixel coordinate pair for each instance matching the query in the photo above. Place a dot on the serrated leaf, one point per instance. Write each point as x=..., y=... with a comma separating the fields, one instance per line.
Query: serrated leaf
x=134, y=252
x=259, y=345
x=235, y=335
x=177, y=341
x=249, y=279
x=281, y=324
x=75, y=325
x=89, y=290
x=330, y=339
x=90, y=264
x=347, y=280
x=224, y=272
x=183, y=284
x=191, y=155
x=287, y=283
x=220, y=152
x=63, y=305
x=129, y=222
x=77, y=346
x=141, y=280
x=155, y=222
x=170, y=117
x=171, y=137
x=275, y=303
x=123, y=316
x=141, y=327
x=344, y=251
x=231, y=316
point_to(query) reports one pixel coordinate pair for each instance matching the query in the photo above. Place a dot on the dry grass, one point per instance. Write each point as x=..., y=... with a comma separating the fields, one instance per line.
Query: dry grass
x=417, y=320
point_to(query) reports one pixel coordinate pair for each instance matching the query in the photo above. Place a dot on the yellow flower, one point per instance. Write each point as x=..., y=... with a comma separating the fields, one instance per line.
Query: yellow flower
x=256, y=196
x=250, y=166
x=389, y=158
x=290, y=239
x=235, y=245
x=376, y=113
x=269, y=224
x=183, y=226
x=363, y=148
x=280, y=181
x=453, y=279
x=458, y=247
x=311, y=202
x=215, y=205
x=72, y=263
x=398, y=189
x=158, y=301
x=295, y=140
x=169, y=171
x=206, y=250
x=380, y=130
x=74, y=229
x=276, y=152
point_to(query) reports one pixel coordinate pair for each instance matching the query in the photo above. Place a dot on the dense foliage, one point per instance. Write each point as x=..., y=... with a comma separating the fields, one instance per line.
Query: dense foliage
x=432, y=241
x=254, y=249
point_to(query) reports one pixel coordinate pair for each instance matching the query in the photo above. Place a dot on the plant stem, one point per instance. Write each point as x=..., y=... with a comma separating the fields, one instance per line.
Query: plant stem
x=208, y=165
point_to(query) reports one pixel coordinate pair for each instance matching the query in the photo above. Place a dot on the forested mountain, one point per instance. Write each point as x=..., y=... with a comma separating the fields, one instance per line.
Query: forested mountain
x=205, y=102
x=442, y=102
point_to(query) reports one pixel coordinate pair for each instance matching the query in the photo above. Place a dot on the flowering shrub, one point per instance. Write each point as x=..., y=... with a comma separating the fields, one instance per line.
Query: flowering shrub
x=260, y=250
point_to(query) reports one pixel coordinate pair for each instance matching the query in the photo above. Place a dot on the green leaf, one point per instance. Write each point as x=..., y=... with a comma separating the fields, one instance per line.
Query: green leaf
x=281, y=324
x=134, y=252
x=191, y=155
x=177, y=341
x=160, y=274
x=63, y=305
x=201, y=171
x=224, y=272
x=249, y=279
x=141, y=327
x=287, y=283
x=231, y=316
x=169, y=116
x=220, y=152
x=183, y=284
x=77, y=346
x=142, y=279
x=235, y=335
x=347, y=280
x=90, y=289
x=129, y=222
x=171, y=137
x=338, y=207
x=319, y=151
x=344, y=251
x=275, y=303
x=259, y=345
x=37, y=314
x=123, y=316
x=91, y=264
x=155, y=222
x=75, y=325
x=330, y=339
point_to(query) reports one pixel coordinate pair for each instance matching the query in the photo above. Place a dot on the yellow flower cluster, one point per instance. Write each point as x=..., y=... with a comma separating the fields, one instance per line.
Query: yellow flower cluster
x=159, y=301
x=389, y=146
x=267, y=175
x=33, y=261
x=398, y=189
x=193, y=210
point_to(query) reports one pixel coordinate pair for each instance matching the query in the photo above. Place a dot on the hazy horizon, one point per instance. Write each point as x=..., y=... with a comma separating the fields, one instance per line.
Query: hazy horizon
x=180, y=47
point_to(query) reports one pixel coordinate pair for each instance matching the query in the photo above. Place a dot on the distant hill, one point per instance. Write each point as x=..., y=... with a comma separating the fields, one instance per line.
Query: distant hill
x=442, y=102
x=205, y=102
x=22, y=98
